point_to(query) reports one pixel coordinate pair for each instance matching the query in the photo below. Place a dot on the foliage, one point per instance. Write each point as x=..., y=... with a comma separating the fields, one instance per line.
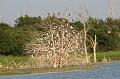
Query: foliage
x=107, y=32
x=13, y=39
x=32, y=23
x=7, y=41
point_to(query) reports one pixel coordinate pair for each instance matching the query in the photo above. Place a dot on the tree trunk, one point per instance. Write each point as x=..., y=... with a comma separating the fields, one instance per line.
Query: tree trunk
x=85, y=46
x=94, y=49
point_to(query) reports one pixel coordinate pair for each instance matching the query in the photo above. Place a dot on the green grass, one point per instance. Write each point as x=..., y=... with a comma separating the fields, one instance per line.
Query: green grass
x=16, y=59
x=112, y=55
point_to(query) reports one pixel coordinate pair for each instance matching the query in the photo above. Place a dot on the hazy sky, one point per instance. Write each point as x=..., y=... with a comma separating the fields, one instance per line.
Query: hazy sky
x=12, y=9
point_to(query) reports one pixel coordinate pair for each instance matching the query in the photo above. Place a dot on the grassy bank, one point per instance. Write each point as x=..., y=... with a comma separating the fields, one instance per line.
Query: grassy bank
x=44, y=70
x=112, y=55
x=16, y=59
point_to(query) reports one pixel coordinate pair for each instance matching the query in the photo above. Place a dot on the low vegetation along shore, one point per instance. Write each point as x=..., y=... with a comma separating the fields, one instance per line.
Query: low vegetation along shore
x=111, y=55
x=44, y=70
x=9, y=66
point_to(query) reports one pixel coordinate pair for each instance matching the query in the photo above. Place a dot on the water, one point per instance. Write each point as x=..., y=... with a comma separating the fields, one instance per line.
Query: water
x=107, y=71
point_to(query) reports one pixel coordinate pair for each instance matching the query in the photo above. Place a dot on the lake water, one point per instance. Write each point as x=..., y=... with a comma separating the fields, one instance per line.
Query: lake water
x=107, y=71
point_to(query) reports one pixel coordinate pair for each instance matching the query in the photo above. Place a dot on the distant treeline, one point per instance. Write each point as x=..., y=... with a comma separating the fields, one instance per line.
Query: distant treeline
x=14, y=38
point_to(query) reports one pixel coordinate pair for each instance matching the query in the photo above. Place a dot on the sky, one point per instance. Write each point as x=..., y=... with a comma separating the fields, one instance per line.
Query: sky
x=12, y=9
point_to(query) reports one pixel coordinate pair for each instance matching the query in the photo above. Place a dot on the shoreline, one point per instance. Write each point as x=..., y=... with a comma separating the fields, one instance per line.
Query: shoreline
x=19, y=72
x=16, y=72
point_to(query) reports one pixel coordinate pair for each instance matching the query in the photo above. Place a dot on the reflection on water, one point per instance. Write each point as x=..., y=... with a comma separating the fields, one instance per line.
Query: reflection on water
x=107, y=71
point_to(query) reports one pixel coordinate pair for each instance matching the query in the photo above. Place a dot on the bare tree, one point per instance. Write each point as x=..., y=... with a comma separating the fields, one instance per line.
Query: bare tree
x=93, y=43
x=60, y=46
x=85, y=30
x=94, y=49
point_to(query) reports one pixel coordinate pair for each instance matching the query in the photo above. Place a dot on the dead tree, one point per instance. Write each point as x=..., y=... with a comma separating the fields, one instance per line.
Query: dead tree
x=60, y=46
x=94, y=49
x=93, y=43
x=82, y=19
x=84, y=15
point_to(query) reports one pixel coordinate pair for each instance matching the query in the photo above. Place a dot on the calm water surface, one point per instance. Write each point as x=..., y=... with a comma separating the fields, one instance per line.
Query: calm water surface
x=108, y=71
